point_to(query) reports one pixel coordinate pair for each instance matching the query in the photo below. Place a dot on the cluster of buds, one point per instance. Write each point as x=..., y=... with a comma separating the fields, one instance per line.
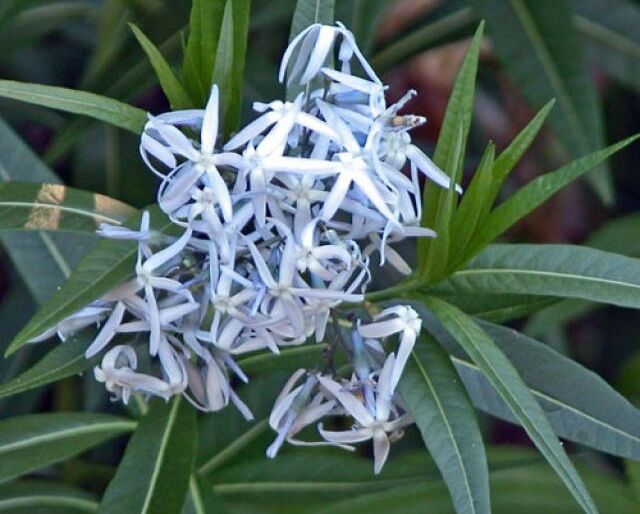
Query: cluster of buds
x=278, y=227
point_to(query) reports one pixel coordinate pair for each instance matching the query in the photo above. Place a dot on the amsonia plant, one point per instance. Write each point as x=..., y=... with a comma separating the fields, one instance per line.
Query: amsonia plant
x=261, y=261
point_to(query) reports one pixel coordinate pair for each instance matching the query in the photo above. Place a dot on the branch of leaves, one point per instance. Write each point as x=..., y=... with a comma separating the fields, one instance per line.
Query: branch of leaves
x=466, y=227
x=515, y=378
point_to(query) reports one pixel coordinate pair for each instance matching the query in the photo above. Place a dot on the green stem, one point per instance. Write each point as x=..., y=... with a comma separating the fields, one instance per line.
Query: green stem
x=398, y=290
x=234, y=448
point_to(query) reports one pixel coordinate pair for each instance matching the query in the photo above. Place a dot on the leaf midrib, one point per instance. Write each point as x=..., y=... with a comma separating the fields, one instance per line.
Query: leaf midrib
x=153, y=482
x=50, y=501
x=555, y=274
x=514, y=404
x=449, y=431
x=546, y=60
x=26, y=92
x=259, y=487
x=555, y=401
x=616, y=39
x=72, y=210
x=61, y=434
x=19, y=386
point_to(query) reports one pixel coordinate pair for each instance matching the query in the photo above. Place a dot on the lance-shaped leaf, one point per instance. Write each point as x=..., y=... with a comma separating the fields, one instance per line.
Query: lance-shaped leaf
x=482, y=192
x=499, y=307
x=102, y=108
x=441, y=408
x=538, y=191
x=542, y=52
x=202, y=499
x=308, y=12
x=28, y=206
x=200, y=54
x=233, y=102
x=37, y=440
x=45, y=496
x=506, y=380
x=229, y=434
x=618, y=235
x=313, y=473
x=473, y=205
x=509, y=157
x=125, y=84
x=580, y=406
x=222, y=70
x=153, y=475
x=108, y=264
x=65, y=360
x=610, y=36
x=42, y=259
x=531, y=489
x=443, y=24
x=449, y=156
x=365, y=18
x=172, y=87
x=550, y=270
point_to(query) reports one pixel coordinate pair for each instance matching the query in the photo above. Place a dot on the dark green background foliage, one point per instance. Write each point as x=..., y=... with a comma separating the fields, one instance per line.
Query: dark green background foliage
x=524, y=97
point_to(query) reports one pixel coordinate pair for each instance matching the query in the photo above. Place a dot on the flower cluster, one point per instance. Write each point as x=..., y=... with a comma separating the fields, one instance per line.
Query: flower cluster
x=275, y=229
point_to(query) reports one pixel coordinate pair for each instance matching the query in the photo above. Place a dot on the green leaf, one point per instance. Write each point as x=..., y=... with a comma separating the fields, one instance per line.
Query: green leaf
x=441, y=408
x=509, y=385
x=499, y=308
x=474, y=203
x=34, y=24
x=550, y=270
x=536, y=192
x=531, y=489
x=153, y=475
x=542, y=52
x=78, y=102
x=127, y=85
x=42, y=259
x=609, y=31
x=222, y=71
x=65, y=360
x=172, y=87
x=34, y=441
x=549, y=321
x=365, y=20
x=229, y=434
x=27, y=206
x=308, y=12
x=317, y=473
x=450, y=150
x=618, y=236
x=507, y=159
x=233, y=103
x=202, y=499
x=199, y=58
x=109, y=264
x=633, y=472
x=580, y=406
x=427, y=36
x=44, y=497
x=437, y=253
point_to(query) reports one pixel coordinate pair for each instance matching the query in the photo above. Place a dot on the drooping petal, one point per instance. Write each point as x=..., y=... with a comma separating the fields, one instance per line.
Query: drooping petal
x=346, y=436
x=352, y=405
x=381, y=446
x=107, y=332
